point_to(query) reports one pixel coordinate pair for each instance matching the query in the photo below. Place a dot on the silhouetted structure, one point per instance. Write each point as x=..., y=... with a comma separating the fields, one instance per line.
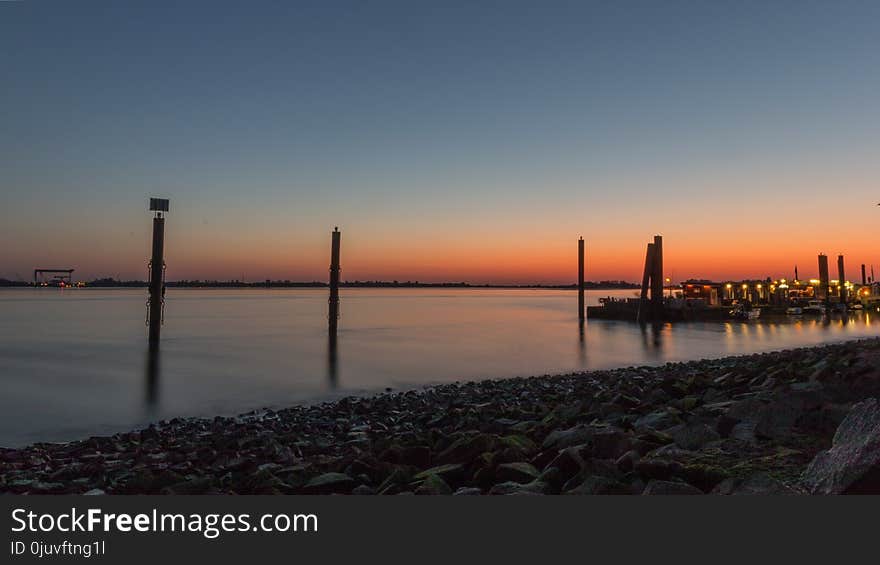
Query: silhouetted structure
x=841, y=281
x=156, y=302
x=864, y=276
x=657, y=279
x=581, y=311
x=62, y=276
x=333, y=317
x=642, y=315
x=824, y=280
x=652, y=278
x=334, y=278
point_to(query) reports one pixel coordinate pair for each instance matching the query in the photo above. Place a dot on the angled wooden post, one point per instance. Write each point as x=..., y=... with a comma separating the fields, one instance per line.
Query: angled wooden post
x=643, y=315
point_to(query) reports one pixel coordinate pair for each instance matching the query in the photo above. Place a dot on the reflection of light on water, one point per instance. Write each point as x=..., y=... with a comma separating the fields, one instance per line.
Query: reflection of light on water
x=229, y=352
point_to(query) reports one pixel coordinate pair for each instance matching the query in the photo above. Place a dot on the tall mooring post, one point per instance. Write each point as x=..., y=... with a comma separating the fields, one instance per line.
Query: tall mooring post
x=333, y=316
x=581, y=310
x=824, y=280
x=334, y=279
x=864, y=276
x=841, y=280
x=156, y=302
x=657, y=279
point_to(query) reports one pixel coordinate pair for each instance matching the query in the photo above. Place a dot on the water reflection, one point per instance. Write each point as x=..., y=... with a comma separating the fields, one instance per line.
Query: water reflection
x=582, y=344
x=228, y=352
x=652, y=342
x=152, y=375
x=332, y=367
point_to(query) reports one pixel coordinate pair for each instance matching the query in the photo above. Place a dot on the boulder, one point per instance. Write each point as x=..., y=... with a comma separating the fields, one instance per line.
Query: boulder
x=599, y=485
x=659, y=469
x=519, y=472
x=658, y=420
x=560, y=439
x=510, y=487
x=330, y=483
x=468, y=447
x=451, y=471
x=433, y=484
x=693, y=436
x=759, y=483
x=610, y=442
x=670, y=487
x=627, y=462
x=852, y=465
x=467, y=491
x=569, y=462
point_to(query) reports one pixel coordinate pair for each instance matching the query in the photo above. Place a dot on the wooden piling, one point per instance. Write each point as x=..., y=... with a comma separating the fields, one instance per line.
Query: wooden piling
x=157, y=287
x=657, y=280
x=824, y=280
x=334, y=280
x=581, y=309
x=643, y=314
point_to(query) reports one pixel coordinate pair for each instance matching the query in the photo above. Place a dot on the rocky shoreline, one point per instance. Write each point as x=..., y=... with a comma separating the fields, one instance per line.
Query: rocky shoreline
x=798, y=421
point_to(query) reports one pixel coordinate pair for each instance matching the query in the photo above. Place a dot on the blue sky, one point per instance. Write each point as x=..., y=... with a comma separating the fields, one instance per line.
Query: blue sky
x=452, y=130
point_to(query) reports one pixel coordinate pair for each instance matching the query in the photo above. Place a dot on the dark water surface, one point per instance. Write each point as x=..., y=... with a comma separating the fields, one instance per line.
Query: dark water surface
x=74, y=363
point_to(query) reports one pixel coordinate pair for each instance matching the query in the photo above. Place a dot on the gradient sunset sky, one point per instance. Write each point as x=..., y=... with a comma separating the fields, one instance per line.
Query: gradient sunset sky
x=449, y=140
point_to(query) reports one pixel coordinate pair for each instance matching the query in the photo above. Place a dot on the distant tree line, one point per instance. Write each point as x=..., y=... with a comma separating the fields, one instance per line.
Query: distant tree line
x=110, y=282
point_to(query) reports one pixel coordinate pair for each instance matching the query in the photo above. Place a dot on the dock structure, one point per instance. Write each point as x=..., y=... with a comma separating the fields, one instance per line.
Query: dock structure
x=652, y=281
x=841, y=281
x=824, y=279
x=62, y=276
x=156, y=302
x=581, y=310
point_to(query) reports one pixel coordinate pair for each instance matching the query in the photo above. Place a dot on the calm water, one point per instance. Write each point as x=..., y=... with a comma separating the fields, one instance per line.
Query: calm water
x=74, y=363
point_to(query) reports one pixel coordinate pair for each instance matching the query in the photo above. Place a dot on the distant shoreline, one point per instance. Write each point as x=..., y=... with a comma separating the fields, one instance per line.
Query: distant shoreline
x=603, y=285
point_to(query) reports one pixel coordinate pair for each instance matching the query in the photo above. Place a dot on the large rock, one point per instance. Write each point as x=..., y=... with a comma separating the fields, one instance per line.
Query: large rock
x=852, y=465
x=510, y=487
x=519, y=472
x=759, y=483
x=467, y=447
x=659, y=420
x=610, y=442
x=433, y=484
x=330, y=483
x=599, y=485
x=693, y=435
x=560, y=439
x=670, y=487
x=448, y=472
